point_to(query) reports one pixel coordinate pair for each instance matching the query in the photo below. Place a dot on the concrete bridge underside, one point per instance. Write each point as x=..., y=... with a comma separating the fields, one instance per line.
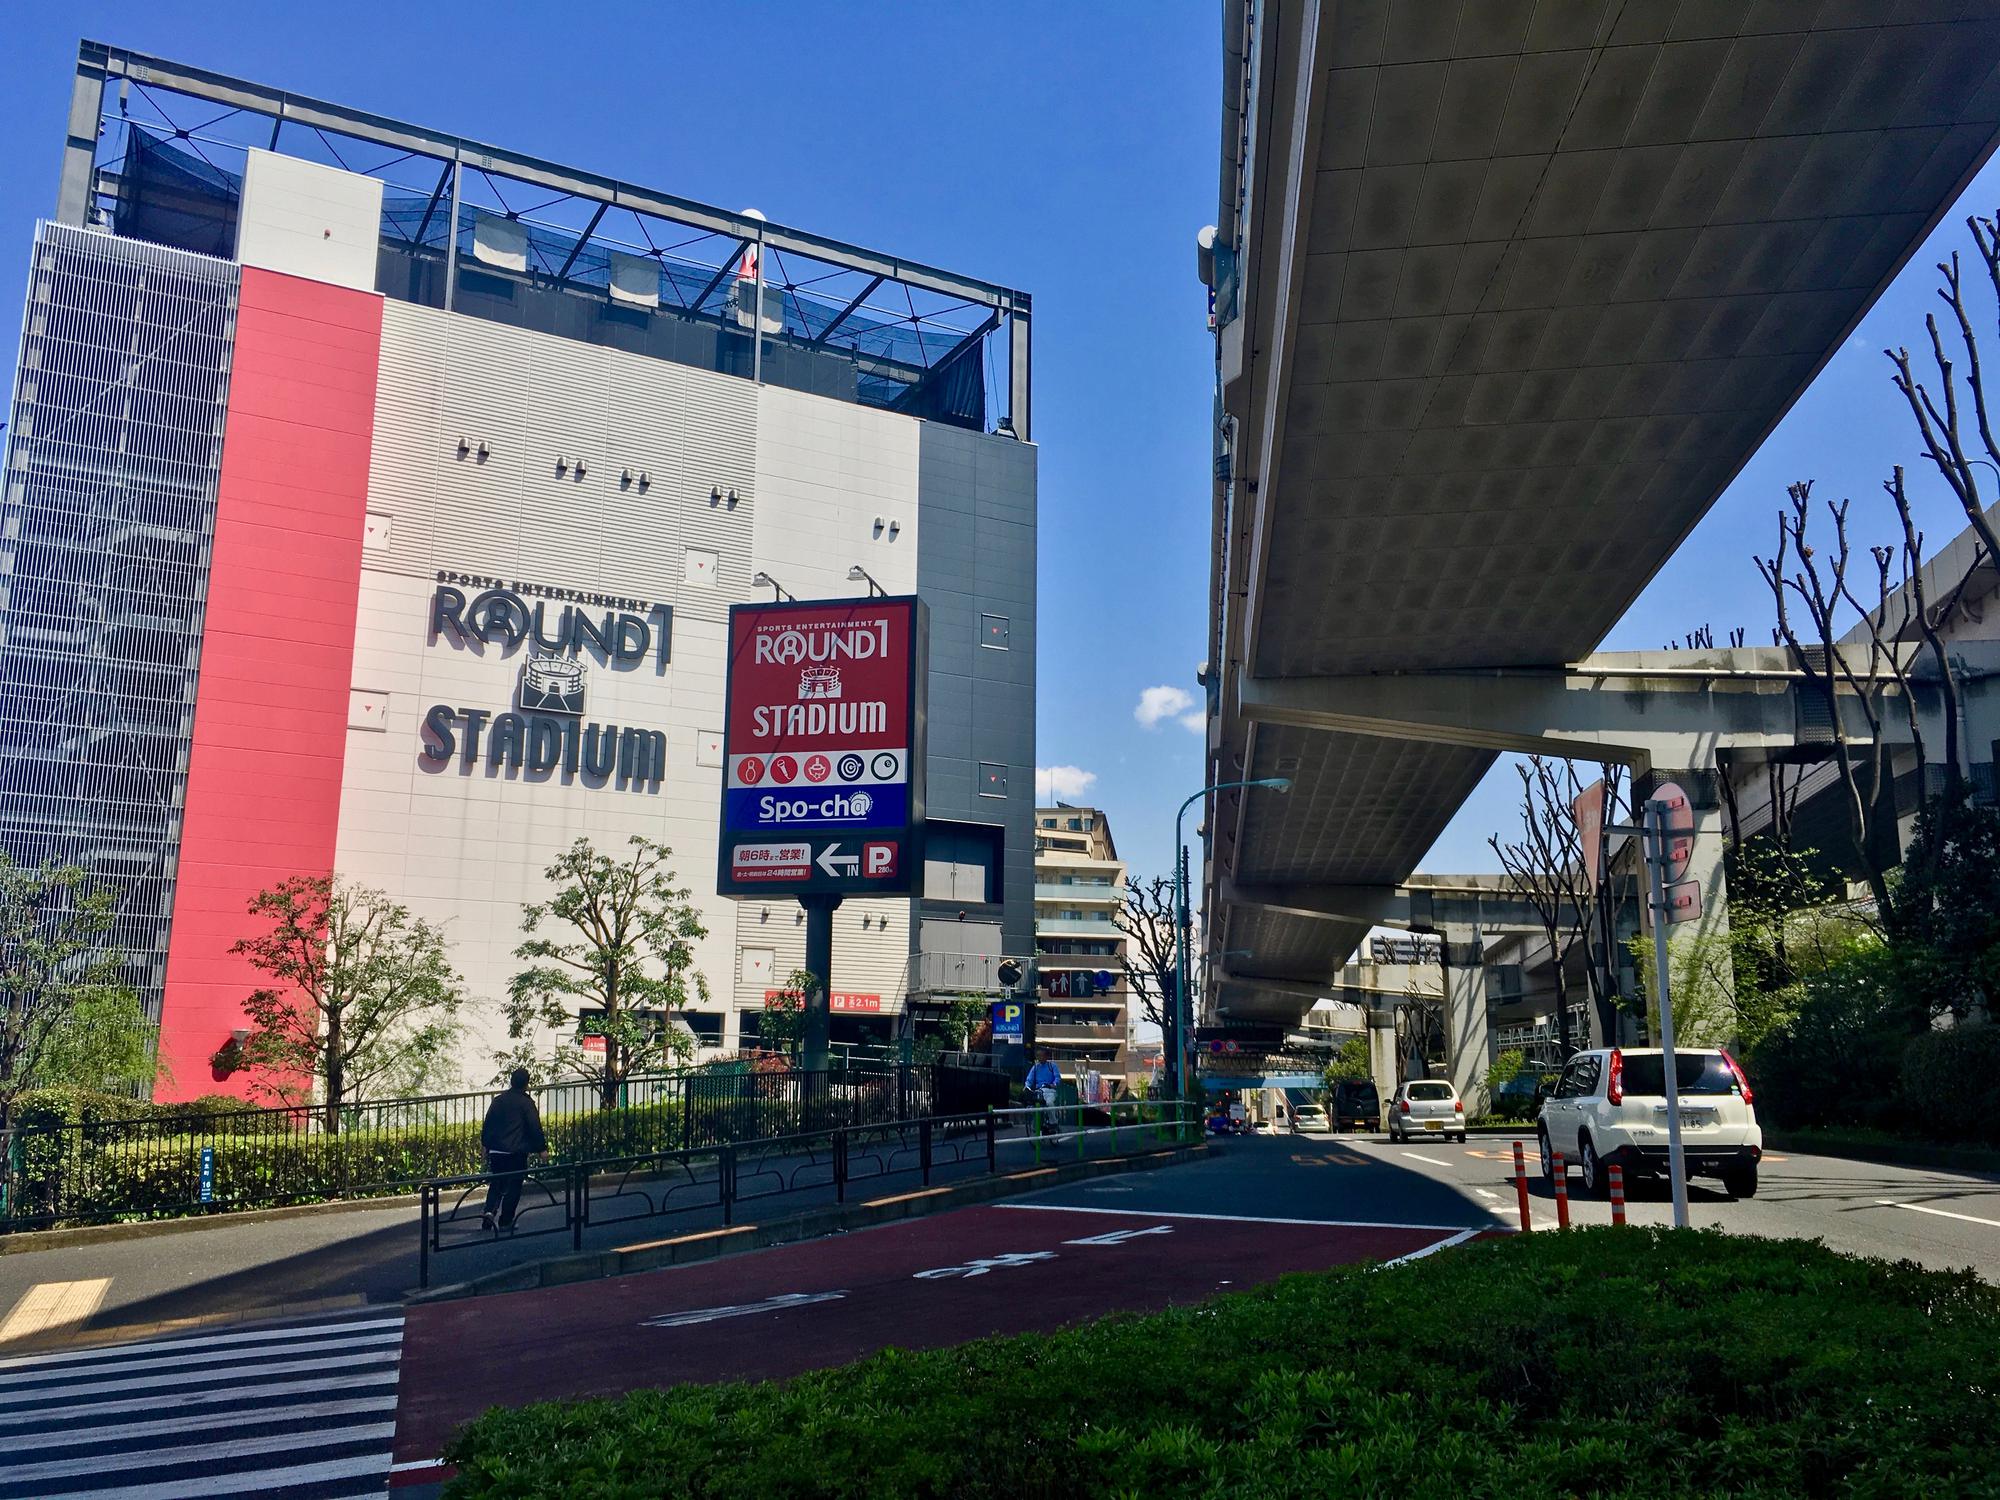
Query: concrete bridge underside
x=1517, y=289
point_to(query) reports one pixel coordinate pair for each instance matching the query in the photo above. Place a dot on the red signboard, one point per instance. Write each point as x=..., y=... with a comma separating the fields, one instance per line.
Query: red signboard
x=840, y=1001
x=1679, y=828
x=823, y=748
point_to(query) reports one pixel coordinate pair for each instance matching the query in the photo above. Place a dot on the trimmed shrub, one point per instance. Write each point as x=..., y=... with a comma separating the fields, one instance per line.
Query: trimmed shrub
x=1606, y=1362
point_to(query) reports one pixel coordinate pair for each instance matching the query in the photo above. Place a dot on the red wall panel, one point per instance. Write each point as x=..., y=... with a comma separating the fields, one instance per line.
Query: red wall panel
x=277, y=644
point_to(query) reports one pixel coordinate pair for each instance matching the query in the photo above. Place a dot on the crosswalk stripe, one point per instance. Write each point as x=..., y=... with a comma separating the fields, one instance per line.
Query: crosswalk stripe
x=251, y=1482
x=301, y=1413
x=186, y=1399
x=152, y=1382
x=213, y=1422
x=176, y=1360
x=53, y=1304
x=193, y=1453
x=195, y=1341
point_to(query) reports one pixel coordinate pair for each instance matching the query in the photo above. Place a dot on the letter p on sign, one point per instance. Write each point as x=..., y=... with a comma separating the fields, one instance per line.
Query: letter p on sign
x=878, y=861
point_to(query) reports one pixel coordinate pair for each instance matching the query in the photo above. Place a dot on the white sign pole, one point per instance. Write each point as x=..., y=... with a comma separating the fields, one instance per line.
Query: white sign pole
x=1657, y=839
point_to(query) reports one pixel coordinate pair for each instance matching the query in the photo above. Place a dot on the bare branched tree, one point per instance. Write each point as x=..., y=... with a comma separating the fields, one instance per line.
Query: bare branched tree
x=1938, y=426
x=1146, y=917
x=1548, y=867
x=1822, y=589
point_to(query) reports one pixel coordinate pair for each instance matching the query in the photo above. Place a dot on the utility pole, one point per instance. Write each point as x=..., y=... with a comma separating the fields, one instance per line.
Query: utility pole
x=816, y=1040
x=1656, y=868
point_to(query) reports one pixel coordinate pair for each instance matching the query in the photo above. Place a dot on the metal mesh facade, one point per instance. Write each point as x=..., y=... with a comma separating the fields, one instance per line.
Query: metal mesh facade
x=106, y=523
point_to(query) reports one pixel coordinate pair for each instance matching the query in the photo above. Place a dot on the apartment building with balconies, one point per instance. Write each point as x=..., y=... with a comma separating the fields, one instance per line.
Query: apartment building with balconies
x=1080, y=989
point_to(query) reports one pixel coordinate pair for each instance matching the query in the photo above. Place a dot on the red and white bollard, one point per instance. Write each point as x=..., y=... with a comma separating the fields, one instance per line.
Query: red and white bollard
x=1521, y=1187
x=1562, y=1191
x=1617, y=1194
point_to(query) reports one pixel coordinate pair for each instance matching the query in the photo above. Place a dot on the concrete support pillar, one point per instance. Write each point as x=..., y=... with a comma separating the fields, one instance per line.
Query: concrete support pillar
x=1467, y=1036
x=1699, y=970
x=1382, y=1049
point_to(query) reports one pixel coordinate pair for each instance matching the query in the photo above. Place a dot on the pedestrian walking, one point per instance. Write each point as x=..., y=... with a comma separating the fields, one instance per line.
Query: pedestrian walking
x=512, y=1133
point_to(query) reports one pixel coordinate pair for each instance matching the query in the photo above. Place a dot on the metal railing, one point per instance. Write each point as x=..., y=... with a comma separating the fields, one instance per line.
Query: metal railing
x=169, y=1163
x=713, y=1181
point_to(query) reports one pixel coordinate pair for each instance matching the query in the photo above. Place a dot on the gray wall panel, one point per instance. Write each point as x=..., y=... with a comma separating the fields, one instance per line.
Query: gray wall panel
x=976, y=555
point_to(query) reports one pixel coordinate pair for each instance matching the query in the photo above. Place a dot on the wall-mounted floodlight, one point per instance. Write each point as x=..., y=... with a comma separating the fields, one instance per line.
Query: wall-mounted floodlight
x=859, y=574
x=778, y=591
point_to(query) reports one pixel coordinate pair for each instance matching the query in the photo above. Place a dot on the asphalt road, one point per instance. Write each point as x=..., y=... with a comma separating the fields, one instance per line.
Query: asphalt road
x=1944, y=1220
x=923, y=1283
x=367, y=1256
x=363, y=1256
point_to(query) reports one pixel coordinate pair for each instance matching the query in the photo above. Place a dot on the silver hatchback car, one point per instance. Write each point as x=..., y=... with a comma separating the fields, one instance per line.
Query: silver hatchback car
x=1426, y=1106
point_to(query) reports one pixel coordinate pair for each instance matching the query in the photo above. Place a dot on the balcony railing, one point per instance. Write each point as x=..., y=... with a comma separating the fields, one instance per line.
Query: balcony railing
x=1097, y=927
x=1057, y=891
x=964, y=973
x=1095, y=1034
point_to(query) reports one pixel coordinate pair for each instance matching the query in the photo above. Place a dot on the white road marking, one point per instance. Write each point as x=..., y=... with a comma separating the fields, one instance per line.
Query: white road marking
x=1120, y=1236
x=740, y=1310
x=158, y=1361
x=216, y=1421
x=200, y=1341
x=1008, y=1261
x=343, y=1362
x=1431, y=1159
x=53, y=1304
x=1942, y=1213
x=248, y=1482
x=1458, y=1239
x=233, y=1448
x=1142, y=1213
x=227, y=1396
x=1486, y=1192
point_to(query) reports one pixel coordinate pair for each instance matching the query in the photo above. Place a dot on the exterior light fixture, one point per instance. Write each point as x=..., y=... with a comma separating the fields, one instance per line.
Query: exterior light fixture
x=778, y=592
x=859, y=574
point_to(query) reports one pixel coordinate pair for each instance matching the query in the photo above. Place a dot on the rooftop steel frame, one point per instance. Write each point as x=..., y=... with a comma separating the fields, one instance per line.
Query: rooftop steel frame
x=100, y=65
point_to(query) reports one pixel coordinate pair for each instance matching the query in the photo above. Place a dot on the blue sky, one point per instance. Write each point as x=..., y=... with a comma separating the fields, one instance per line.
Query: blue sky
x=1070, y=150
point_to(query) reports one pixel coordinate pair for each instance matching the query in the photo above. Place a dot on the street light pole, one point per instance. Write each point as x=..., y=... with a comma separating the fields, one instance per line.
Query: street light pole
x=1182, y=1019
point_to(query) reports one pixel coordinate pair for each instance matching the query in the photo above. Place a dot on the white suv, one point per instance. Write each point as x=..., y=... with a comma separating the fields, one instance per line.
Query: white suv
x=1611, y=1106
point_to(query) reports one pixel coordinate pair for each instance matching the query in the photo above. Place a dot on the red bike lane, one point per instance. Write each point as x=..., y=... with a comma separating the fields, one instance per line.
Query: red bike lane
x=918, y=1284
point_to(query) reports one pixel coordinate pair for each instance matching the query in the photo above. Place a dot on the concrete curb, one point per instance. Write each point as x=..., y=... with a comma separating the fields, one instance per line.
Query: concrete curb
x=708, y=1244
x=22, y=1241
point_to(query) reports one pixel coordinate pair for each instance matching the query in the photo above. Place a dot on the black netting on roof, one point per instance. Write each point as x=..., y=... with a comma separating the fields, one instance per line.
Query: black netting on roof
x=170, y=197
x=912, y=365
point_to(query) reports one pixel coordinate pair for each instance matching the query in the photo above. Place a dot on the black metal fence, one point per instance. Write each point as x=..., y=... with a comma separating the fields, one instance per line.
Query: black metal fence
x=167, y=1164
x=712, y=1181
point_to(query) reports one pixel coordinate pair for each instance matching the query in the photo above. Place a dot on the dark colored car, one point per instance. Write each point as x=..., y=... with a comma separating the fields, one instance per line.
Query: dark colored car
x=1355, y=1106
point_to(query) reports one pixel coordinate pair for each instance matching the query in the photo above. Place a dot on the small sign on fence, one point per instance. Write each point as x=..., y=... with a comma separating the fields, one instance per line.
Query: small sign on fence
x=207, y=1174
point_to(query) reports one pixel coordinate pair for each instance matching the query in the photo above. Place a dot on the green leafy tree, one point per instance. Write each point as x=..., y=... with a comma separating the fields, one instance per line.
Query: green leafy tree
x=1349, y=1065
x=1943, y=917
x=610, y=956
x=363, y=1000
x=67, y=1016
x=782, y=1027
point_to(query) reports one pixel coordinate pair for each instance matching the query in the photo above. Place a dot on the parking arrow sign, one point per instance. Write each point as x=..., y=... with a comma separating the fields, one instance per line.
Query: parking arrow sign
x=837, y=864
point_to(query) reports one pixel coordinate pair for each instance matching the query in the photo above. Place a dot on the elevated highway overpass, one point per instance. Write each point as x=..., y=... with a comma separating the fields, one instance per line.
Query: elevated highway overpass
x=1506, y=294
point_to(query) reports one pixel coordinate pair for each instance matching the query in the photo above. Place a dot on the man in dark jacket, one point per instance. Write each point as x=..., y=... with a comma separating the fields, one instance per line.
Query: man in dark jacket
x=512, y=1133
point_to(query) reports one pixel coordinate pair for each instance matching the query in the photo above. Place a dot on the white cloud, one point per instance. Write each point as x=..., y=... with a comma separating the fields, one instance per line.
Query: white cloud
x=1062, y=783
x=1168, y=702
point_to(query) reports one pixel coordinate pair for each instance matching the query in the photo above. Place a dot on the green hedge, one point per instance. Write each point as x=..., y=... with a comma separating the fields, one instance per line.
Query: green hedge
x=87, y=1157
x=1951, y=1084
x=130, y=1165
x=1605, y=1362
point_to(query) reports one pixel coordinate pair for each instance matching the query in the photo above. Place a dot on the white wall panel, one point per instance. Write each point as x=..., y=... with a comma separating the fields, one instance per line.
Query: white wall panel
x=469, y=848
x=308, y=220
